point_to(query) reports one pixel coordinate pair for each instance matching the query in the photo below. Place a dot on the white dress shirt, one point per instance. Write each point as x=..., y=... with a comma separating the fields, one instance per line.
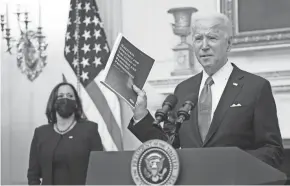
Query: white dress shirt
x=220, y=79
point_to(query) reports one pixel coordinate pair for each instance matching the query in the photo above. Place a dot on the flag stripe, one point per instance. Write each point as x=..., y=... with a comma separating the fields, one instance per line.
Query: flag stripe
x=87, y=51
x=100, y=101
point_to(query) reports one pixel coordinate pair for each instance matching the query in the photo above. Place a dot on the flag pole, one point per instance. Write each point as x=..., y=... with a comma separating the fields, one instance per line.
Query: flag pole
x=77, y=43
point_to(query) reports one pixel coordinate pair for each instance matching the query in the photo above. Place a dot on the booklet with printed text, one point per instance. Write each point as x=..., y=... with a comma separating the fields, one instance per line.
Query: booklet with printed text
x=127, y=65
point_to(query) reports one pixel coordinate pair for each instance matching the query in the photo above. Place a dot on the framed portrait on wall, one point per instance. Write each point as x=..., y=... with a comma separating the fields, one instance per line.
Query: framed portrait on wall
x=258, y=23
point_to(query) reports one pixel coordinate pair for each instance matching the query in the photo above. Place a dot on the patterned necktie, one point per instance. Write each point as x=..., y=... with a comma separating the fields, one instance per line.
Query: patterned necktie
x=205, y=108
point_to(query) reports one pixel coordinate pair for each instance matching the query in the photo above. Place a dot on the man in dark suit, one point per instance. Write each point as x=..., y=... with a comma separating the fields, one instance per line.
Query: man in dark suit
x=234, y=107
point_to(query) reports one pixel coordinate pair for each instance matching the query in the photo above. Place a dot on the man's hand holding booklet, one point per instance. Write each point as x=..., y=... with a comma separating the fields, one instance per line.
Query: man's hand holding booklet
x=127, y=65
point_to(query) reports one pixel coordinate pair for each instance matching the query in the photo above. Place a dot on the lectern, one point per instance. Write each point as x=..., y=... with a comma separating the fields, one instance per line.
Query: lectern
x=209, y=166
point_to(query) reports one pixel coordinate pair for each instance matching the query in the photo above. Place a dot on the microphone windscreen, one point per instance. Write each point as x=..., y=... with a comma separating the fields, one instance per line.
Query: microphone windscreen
x=170, y=99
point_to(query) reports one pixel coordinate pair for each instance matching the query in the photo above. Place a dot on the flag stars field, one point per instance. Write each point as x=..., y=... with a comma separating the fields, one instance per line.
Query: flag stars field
x=86, y=51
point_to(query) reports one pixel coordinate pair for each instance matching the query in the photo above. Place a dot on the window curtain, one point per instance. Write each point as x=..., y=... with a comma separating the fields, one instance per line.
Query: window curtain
x=111, y=15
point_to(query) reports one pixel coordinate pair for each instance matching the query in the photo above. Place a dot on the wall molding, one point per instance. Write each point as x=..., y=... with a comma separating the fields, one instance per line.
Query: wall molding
x=280, y=81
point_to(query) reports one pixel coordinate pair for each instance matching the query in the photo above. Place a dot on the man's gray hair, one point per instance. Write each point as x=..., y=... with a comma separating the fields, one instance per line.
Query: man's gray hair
x=223, y=20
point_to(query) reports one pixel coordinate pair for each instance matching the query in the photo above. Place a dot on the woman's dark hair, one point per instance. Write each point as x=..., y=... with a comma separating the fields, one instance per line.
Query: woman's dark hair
x=50, y=108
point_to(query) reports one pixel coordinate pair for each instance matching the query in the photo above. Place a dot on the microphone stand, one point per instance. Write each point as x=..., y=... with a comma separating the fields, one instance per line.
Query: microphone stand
x=173, y=135
x=183, y=114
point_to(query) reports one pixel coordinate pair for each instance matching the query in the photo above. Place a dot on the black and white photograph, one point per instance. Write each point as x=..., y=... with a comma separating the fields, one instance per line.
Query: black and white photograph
x=214, y=109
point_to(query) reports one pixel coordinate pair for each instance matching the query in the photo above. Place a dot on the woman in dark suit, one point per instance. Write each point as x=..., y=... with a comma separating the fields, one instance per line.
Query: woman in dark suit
x=60, y=150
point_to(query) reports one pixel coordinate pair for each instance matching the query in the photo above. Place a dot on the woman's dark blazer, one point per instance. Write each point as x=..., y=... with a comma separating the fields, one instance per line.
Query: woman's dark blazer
x=84, y=137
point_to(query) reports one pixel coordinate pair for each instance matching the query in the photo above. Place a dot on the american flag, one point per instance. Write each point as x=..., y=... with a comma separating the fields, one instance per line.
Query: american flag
x=87, y=51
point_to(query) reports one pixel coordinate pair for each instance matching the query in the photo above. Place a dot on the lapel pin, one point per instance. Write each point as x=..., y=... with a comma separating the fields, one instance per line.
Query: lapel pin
x=70, y=137
x=235, y=84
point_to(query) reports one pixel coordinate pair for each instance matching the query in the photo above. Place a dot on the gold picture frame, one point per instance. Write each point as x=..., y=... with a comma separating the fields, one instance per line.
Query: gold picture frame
x=258, y=23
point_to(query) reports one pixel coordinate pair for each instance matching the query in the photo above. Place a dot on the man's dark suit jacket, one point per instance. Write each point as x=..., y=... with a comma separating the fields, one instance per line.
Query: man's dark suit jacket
x=252, y=127
x=85, y=139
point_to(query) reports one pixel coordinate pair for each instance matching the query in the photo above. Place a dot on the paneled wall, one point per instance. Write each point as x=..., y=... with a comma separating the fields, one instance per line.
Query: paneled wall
x=24, y=102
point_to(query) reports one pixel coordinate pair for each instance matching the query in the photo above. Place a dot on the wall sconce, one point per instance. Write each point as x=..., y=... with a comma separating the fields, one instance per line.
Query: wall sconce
x=30, y=46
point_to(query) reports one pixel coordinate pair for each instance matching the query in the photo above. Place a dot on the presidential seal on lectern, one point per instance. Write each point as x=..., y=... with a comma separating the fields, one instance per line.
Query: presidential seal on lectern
x=155, y=162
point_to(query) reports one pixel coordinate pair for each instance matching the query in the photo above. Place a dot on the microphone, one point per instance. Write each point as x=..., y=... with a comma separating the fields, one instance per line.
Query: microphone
x=168, y=104
x=183, y=113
